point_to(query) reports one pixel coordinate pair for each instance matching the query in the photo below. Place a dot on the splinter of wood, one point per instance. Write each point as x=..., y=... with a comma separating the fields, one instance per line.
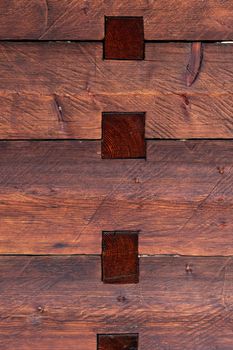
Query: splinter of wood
x=117, y=341
x=123, y=135
x=195, y=61
x=124, y=38
x=120, y=263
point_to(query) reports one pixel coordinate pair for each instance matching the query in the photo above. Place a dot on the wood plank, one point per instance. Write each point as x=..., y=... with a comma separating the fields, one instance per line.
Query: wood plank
x=22, y=19
x=84, y=20
x=57, y=90
x=60, y=302
x=58, y=197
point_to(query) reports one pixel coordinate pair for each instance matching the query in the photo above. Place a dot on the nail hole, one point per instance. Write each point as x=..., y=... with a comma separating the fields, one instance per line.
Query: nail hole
x=188, y=269
x=220, y=170
x=121, y=299
x=40, y=309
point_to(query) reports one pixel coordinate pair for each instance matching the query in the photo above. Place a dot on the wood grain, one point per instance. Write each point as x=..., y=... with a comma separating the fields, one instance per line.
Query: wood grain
x=60, y=302
x=23, y=19
x=58, y=90
x=120, y=257
x=58, y=197
x=123, y=135
x=84, y=20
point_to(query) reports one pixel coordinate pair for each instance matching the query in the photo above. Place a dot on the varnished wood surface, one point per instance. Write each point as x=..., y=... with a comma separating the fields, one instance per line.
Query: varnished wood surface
x=84, y=20
x=59, y=90
x=60, y=302
x=58, y=197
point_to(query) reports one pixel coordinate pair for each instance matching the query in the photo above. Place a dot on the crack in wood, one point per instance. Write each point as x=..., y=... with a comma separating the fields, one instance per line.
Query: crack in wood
x=195, y=62
x=59, y=109
x=47, y=14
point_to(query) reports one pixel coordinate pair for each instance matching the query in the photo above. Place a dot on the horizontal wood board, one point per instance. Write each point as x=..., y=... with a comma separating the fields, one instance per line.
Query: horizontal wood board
x=58, y=197
x=84, y=20
x=59, y=90
x=60, y=302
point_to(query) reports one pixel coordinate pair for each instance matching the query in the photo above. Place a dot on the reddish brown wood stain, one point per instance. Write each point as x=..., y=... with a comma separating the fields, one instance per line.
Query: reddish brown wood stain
x=120, y=257
x=60, y=196
x=117, y=342
x=123, y=135
x=84, y=20
x=64, y=196
x=84, y=85
x=60, y=301
x=124, y=38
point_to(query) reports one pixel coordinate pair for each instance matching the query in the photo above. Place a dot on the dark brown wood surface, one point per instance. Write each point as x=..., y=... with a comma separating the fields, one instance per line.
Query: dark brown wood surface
x=117, y=342
x=60, y=303
x=58, y=197
x=120, y=257
x=124, y=38
x=123, y=135
x=59, y=90
x=84, y=20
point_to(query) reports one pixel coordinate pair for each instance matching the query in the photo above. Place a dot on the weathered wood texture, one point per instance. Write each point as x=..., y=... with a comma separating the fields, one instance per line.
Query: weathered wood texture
x=58, y=197
x=57, y=90
x=60, y=303
x=84, y=20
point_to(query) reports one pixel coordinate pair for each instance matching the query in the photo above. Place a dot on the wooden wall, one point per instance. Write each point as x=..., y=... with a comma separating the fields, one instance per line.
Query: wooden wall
x=116, y=175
